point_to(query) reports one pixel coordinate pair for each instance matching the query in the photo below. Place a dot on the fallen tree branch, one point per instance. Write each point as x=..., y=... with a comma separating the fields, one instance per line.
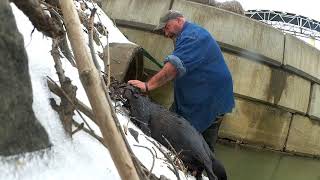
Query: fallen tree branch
x=66, y=107
x=43, y=22
x=77, y=105
x=92, y=83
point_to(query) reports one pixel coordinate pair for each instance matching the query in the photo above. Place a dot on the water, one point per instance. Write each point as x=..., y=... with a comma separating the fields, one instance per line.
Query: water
x=247, y=164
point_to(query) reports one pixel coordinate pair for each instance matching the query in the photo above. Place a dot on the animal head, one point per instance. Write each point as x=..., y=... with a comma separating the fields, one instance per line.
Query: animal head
x=130, y=92
x=124, y=92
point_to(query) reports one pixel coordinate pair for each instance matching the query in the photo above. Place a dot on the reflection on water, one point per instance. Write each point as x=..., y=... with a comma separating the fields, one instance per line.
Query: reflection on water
x=248, y=164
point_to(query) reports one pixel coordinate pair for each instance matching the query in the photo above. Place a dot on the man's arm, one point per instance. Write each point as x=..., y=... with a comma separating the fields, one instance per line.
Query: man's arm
x=166, y=74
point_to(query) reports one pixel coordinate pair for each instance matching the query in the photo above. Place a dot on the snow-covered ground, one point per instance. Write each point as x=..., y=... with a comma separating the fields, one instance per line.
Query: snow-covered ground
x=81, y=157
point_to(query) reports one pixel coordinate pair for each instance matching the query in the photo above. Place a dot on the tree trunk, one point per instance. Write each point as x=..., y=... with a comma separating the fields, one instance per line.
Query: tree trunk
x=93, y=85
x=20, y=131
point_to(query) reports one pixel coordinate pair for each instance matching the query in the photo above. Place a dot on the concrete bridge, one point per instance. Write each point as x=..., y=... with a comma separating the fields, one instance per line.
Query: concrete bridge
x=276, y=76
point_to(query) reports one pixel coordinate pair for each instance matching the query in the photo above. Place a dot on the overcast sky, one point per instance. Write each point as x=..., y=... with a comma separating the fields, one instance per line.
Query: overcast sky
x=308, y=8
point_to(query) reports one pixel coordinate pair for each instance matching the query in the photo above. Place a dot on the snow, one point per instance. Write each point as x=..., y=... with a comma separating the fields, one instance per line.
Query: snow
x=81, y=157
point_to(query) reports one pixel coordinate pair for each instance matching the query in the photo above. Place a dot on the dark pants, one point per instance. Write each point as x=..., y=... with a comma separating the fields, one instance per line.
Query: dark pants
x=210, y=135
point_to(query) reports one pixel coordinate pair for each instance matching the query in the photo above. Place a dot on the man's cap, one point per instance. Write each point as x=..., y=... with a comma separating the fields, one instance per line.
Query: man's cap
x=171, y=14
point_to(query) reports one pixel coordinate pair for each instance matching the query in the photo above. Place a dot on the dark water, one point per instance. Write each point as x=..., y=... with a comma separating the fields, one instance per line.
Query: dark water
x=248, y=164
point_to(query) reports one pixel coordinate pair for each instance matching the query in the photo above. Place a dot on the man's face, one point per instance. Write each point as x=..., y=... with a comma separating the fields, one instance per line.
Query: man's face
x=172, y=28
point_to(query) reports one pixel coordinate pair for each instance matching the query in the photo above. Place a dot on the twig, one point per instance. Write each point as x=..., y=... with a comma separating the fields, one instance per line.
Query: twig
x=175, y=171
x=71, y=102
x=56, y=57
x=49, y=5
x=59, y=21
x=179, y=163
x=79, y=105
x=108, y=60
x=108, y=49
x=53, y=9
x=171, y=147
x=127, y=123
x=98, y=138
x=155, y=152
x=153, y=158
x=66, y=112
x=85, y=22
x=80, y=127
x=57, y=14
x=90, y=36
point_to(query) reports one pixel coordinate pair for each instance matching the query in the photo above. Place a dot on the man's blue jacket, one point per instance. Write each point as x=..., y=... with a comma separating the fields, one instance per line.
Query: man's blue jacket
x=203, y=88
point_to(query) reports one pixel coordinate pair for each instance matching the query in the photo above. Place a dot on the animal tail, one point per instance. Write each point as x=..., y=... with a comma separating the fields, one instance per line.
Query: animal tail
x=211, y=175
x=218, y=170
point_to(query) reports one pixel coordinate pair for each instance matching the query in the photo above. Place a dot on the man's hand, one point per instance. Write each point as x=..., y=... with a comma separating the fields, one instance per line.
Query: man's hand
x=139, y=84
x=167, y=73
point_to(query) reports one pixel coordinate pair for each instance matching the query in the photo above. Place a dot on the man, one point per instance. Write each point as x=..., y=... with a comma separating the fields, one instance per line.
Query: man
x=203, y=90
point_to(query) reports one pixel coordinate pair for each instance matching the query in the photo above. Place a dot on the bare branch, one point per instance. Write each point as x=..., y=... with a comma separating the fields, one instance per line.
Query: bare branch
x=85, y=22
x=98, y=138
x=38, y=17
x=175, y=170
x=153, y=158
x=67, y=109
x=90, y=35
x=62, y=94
x=56, y=57
x=176, y=156
x=80, y=127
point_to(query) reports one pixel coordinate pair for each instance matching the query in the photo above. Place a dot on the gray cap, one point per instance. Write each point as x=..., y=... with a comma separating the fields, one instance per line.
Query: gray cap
x=171, y=14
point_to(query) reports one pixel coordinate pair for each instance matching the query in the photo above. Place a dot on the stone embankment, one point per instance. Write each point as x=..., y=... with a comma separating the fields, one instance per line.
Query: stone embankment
x=276, y=76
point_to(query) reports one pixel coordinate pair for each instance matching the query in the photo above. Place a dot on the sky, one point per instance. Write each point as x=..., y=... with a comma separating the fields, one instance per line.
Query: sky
x=308, y=8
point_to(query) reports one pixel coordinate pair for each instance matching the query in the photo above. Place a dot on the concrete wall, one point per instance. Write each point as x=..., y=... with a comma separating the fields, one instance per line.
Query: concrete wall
x=314, y=107
x=302, y=58
x=138, y=11
x=264, y=83
x=272, y=72
x=304, y=136
x=257, y=124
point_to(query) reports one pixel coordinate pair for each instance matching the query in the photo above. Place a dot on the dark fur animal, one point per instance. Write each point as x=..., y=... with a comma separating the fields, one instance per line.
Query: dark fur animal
x=162, y=124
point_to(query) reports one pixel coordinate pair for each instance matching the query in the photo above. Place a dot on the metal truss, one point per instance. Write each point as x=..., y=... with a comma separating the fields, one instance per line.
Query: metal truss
x=288, y=22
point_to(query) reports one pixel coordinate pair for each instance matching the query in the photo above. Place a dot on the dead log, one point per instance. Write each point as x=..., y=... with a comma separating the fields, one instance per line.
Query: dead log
x=92, y=83
x=78, y=104
x=66, y=107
